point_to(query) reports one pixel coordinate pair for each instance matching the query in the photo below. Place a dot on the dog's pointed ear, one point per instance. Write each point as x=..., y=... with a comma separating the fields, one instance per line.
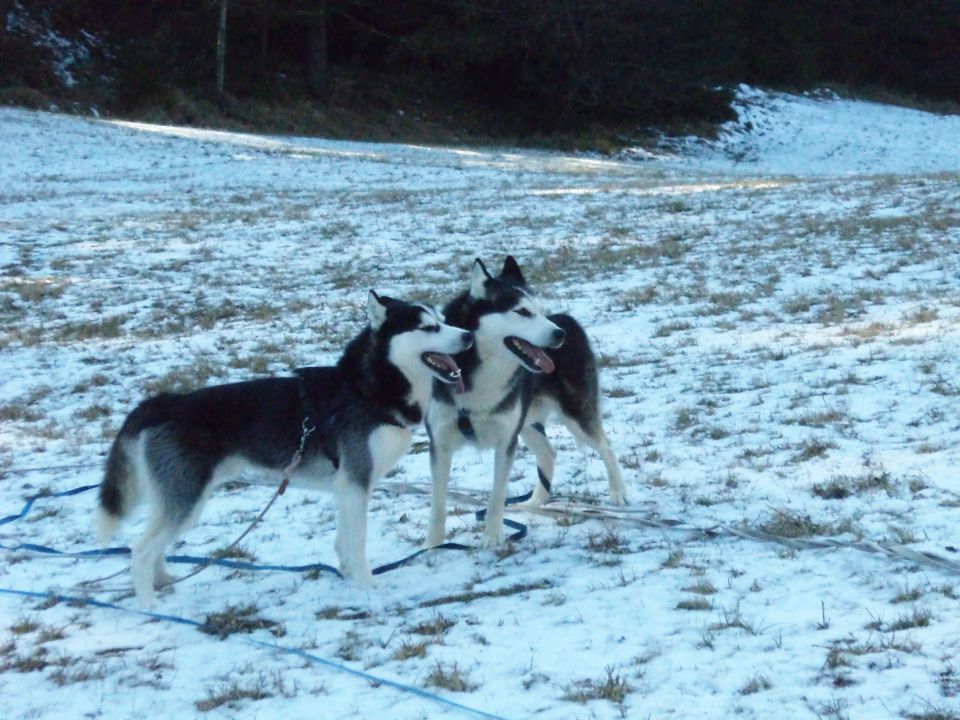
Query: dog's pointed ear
x=511, y=271
x=376, y=310
x=478, y=280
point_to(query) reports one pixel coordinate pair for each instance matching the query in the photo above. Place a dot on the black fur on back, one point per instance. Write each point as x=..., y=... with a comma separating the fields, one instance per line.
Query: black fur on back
x=573, y=383
x=262, y=419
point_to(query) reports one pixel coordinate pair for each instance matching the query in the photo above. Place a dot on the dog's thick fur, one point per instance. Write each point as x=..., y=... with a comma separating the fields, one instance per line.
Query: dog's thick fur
x=175, y=448
x=523, y=367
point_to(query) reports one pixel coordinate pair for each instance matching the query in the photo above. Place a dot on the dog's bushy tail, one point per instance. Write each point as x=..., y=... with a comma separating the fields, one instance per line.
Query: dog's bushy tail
x=120, y=489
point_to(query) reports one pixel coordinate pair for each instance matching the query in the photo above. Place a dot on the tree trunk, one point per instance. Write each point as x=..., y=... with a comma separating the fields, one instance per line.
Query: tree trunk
x=264, y=37
x=318, y=71
x=221, y=46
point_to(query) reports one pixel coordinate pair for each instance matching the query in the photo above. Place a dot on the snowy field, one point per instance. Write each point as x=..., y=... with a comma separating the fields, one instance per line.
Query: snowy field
x=777, y=316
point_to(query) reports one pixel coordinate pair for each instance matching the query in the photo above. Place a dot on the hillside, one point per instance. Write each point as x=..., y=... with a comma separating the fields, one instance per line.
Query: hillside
x=776, y=315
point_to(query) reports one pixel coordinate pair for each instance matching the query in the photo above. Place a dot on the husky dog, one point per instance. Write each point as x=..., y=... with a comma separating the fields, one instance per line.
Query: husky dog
x=175, y=448
x=523, y=367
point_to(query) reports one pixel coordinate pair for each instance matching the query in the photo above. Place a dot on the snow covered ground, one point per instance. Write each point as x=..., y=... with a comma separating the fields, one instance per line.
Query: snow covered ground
x=777, y=315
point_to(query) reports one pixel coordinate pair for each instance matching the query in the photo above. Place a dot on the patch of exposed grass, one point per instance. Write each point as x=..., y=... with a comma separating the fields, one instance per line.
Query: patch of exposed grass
x=450, y=677
x=409, y=650
x=908, y=594
x=614, y=688
x=237, y=619
x=668, y=329
x=695, y=604
x=352, y=646
x=813, y=449
x=77, y=672
x=19, y=412
x=234, y=553
x=917, y=617
x=823, y=418
x=732, y=618
x=800, y=525
x=437, y=626
x=701, y=587
x=843, y=486
x=80, y=331
x=633, y=298
x=757, y=683
x=24, y=626
x=842, y=652
x=934, y=712
x=620, y=391
x=185, y=378
x=685, y=418
x=233, y=694
x=608, y=541
x=673, y=560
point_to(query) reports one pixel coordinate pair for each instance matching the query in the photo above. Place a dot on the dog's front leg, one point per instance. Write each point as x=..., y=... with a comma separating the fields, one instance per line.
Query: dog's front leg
x=441, y=458
x=351, y=543
x=502, y=463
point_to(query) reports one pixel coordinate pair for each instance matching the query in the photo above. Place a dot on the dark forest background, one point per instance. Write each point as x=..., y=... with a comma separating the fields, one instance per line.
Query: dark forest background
x=496, y=67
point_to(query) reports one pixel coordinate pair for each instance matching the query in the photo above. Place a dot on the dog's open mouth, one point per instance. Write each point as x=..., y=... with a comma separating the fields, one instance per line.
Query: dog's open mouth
x=533, y=358
x=444, y=367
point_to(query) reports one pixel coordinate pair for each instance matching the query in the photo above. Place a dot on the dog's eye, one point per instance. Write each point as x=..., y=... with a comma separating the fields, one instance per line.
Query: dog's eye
x=523, y=312
x=431, y=328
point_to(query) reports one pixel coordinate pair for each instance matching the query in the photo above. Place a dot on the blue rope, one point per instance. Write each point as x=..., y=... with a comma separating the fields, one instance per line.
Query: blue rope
x=520, y=532
x=33, y=498
x=372, y=679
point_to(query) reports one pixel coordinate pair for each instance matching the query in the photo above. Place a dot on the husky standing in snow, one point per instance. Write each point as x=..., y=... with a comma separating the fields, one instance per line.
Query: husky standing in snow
x=175, y=448
x=523, y=367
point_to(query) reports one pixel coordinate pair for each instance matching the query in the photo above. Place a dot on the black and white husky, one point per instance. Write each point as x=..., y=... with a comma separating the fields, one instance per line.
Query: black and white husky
x=523, y=367
x=175, y=448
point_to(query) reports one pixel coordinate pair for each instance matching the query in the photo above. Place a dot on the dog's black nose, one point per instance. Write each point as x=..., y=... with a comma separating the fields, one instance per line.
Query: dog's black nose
x=559, y=335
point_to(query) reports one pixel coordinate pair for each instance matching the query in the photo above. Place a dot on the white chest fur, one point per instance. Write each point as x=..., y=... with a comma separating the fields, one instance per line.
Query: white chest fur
x=388, y=443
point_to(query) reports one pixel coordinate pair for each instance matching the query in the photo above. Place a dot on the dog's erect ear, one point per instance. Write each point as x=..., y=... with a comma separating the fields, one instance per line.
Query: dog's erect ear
x=511, y=271
x=478, y=280
x=376, y=310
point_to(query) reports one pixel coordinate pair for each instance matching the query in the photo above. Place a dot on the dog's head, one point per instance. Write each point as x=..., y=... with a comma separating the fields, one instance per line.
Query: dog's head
x=416, y=338
x=507, y=314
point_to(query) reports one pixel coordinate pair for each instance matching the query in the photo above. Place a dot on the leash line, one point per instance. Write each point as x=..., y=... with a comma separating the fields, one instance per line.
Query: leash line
x=33, y=498
x=259, y=644
x=520, y=531
x=887, y=549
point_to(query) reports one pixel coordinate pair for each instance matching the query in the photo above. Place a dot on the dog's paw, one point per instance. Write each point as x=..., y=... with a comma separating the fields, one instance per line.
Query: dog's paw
x=434, y=539
x=619, y=498
x=491, y=539
x=146, y=597
x=360, y=578
x=162, y=578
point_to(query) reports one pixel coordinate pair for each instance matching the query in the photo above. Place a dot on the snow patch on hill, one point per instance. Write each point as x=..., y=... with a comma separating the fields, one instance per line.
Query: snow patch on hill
x=824, y=134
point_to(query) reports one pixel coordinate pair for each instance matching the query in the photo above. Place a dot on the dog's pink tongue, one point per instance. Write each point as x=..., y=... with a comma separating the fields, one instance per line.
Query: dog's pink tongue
x=447, y=362
x=540, y=359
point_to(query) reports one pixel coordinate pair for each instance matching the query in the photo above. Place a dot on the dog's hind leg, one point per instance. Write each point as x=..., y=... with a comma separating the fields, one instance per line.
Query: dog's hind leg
x=162, y=576
x=149, y=568
x=595, y=438
x=535, y=437
x=179, y=484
